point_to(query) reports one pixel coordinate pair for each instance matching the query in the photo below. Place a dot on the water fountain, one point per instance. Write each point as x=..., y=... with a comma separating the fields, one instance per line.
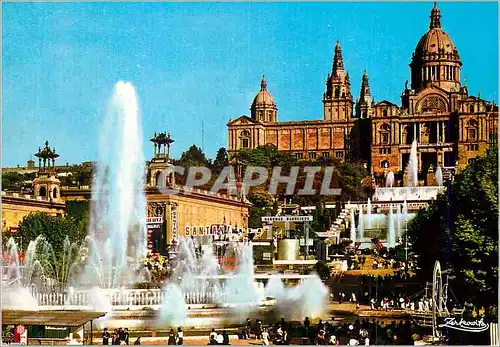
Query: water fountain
x=369, y=214
x=399, y=222
x=118, y=207
x=413, y=166
x=116, y=244
x=439, y=176
x=361, y=225
x=353, y=227
x=391, y=233
x=389, y=181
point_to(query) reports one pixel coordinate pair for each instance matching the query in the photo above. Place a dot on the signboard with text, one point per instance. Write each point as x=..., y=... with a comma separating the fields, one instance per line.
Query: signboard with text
x=287, y=219
x=156, y=234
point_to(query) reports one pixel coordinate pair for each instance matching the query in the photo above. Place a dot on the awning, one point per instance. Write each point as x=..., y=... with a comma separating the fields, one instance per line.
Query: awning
x=66, y=318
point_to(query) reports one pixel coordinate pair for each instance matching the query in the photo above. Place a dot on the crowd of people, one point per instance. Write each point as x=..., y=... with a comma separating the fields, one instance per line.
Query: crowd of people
x=360, y=332
x=218, y=338
x=119, y=336
x=388, y=302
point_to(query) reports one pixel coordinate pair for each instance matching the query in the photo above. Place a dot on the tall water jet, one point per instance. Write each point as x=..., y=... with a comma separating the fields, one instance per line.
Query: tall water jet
x=240, y=289
x=389, y=180
x=391, y=233
x=399, y=222
x=173, y=311
x=361, y=225
x=369, y=214
x=413, y=166
x=118, y=202
x=439, y=176
x=353, y=228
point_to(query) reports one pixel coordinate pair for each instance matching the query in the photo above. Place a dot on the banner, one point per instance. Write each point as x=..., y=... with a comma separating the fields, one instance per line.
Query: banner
x=287, y=219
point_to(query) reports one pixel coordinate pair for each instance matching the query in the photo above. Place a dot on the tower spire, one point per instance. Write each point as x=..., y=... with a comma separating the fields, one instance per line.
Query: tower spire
x=365, y=86
x=364, y=105
x=263, y=83
x=338, y=62
x=435, y=17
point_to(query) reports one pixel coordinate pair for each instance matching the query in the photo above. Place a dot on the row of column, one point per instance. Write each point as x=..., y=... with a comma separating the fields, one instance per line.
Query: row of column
x=440, y=133
x=433, y=73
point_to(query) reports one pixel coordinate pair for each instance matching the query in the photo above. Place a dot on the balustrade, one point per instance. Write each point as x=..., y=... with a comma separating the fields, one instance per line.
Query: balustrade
x=127, y=297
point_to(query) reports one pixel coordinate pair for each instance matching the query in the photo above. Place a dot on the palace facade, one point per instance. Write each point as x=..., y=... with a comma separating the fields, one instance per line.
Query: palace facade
x=450, y=126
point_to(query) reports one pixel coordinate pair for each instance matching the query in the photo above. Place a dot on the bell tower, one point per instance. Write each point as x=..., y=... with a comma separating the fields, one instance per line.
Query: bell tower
x=47, y=186
x=337, y=100
x=160, y=172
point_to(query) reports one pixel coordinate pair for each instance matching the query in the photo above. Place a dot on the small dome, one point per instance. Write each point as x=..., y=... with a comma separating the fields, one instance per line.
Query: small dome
x=436, y=43
x=263, y=97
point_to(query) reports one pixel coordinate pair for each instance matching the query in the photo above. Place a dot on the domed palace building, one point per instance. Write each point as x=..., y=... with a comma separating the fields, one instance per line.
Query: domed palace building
x=450, y=126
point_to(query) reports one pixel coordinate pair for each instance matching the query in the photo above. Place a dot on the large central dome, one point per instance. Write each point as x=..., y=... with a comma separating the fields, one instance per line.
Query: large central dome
x=436, y=43
x=436, y=58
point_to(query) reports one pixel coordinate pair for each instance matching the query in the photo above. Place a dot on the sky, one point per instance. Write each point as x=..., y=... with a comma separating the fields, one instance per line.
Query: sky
x=198, y=65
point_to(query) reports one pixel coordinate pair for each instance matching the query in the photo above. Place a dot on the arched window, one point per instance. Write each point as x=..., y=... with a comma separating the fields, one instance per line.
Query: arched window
x=472, y=130
x=42, y=192
x=54, y=193
x=385, y=131
x=157, y=181
x=407, y=134
x=433, y=104
x=245, y=139
x=471, y=108
x=384, y=164
x=337, y=92
x=385, y=112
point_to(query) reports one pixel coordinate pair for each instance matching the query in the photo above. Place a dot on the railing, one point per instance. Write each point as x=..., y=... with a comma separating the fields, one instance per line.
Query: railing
x=24, y=196
x=123, y=297
x=407, y=193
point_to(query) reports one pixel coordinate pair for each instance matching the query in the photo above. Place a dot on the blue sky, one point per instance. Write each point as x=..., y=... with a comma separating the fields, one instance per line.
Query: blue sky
x=203, y=62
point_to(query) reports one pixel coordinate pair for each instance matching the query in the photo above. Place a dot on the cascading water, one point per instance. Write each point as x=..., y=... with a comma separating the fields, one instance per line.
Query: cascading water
x=118, y=207
x=361, y=225
x=391, y=233
x=389, y=180
x=369, y=214
x=404, y=211
x=353, y=227
x=439, y=176
x=413, y=166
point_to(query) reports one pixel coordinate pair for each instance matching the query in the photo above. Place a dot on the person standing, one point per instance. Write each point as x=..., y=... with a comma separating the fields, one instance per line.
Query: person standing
x=225, y=338
x=265, y=337
x=213, y=337
x=259, y=329
x=171, y=338
x=246, y=331
x=180, y=336
x=126, y=336
x=116, y=338
x=105, y=337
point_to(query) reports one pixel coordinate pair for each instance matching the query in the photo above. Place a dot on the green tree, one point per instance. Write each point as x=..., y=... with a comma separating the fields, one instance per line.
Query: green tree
x=322, y=270
x=194, y=156
x=473, y=230
x=221, y=160
x=55, y=229
x=262, y=204
x=15, y=181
